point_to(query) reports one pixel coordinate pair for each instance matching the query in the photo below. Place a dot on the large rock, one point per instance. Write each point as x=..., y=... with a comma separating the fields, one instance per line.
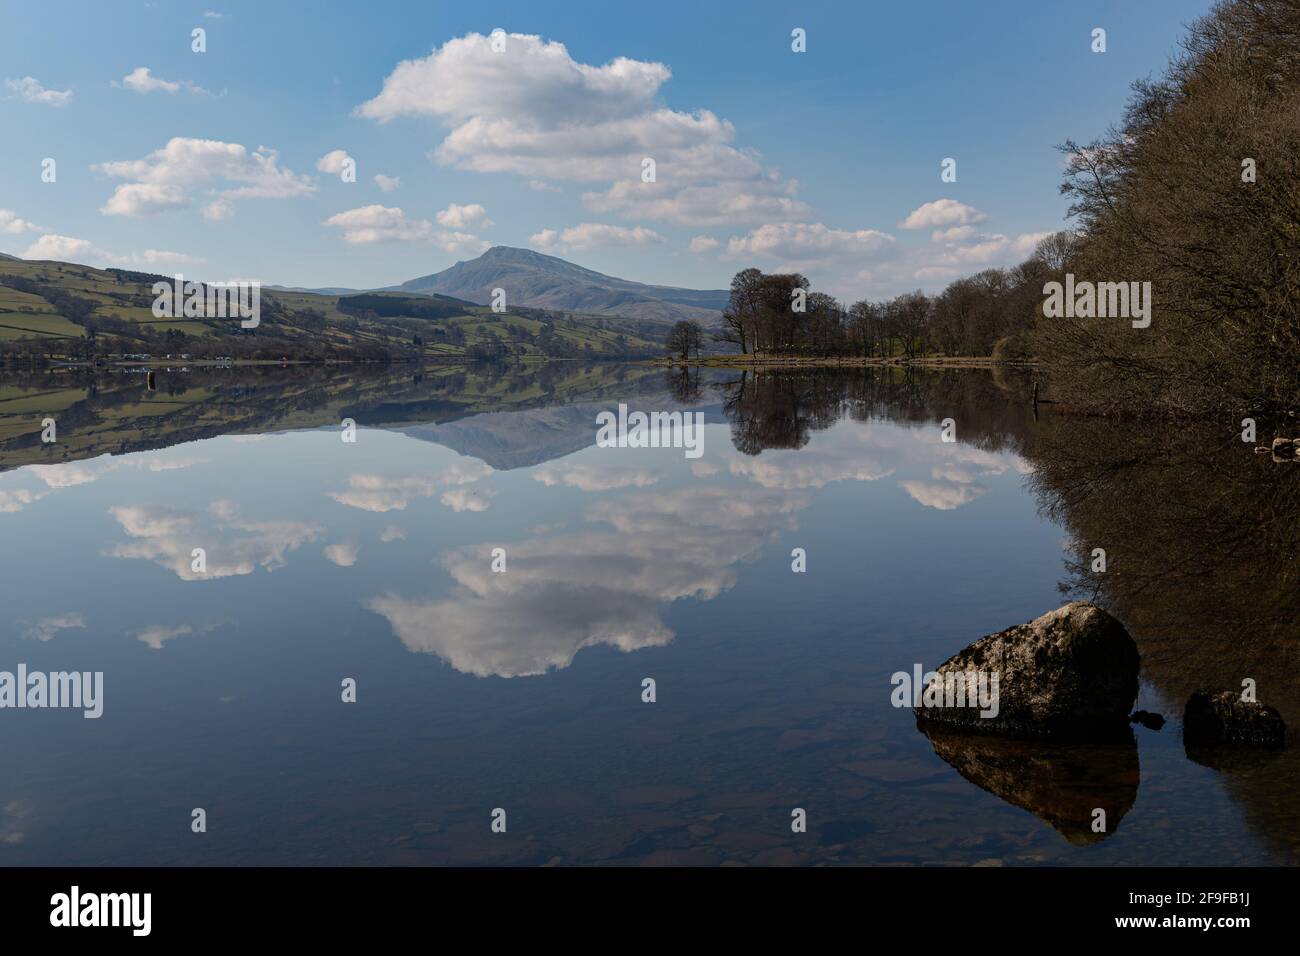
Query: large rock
x=1070, y=674
x=1225, y=720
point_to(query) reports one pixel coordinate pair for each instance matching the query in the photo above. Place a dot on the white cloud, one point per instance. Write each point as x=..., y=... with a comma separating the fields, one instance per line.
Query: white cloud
x=803, y=245
x=942, y=496
x=214, y=15
x=218, y=210
x=704, y=244
x=377, y=493
x=594, y=477
x=142, y=80
x=144, y=199
x=333, y=162
x=392, y=533
x=70, y=249
x=344, y=555
x=30, y=89
x=467, y=218
x=942, y=213
x=535, y=111
x=593, y=235
x=467, y=499
x=388, y=183
x=47, y=628
x=234, y=545
x=541, y=186
x=10, y=223
x=596, y=587
x=367, y=225
x=160, y=180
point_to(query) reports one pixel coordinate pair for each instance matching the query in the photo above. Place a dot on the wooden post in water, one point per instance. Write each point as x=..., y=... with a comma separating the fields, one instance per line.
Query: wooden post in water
x=149, y=381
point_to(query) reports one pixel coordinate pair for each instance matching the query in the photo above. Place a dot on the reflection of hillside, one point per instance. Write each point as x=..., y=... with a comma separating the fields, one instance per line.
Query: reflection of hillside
x=116, y=414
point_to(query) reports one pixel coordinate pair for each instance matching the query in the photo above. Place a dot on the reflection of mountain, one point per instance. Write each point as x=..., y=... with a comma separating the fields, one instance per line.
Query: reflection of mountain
x=1061, y=784
x=520, y=439
x=116, y=414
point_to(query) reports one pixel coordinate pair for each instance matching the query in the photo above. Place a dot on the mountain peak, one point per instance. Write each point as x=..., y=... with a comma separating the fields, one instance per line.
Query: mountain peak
x=535, y=279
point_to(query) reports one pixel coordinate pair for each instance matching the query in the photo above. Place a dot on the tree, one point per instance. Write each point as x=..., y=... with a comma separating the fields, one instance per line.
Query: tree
x=684, y=338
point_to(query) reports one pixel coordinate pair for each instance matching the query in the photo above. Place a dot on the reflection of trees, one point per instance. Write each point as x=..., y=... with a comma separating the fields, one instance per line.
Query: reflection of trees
x=1202, y=541
x=1202, y=538
x=779, y=409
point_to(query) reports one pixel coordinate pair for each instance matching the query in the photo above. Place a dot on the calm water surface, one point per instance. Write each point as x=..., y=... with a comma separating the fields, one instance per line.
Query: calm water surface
x=476, y=690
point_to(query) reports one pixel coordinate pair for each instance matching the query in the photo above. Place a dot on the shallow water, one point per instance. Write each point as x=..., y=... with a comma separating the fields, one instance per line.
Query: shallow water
x=522, y=690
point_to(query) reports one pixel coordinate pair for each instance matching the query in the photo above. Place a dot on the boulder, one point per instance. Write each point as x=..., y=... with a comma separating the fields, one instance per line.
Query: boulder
x=1223, y=719
x=1070, y=674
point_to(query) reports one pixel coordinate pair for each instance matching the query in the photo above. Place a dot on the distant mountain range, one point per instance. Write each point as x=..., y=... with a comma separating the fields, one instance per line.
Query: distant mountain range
x=546, y=282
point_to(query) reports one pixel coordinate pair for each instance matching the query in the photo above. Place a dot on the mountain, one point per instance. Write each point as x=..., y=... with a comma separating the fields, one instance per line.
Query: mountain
x=540, y=281
x=10, y=258
x=65, y=311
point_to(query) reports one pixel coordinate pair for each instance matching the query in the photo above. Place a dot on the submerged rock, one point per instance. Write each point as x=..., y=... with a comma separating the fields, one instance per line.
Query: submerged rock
x=1072, y=673
x=1225, y=720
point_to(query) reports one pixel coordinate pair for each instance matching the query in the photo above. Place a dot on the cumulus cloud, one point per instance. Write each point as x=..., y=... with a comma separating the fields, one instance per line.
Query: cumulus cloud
x=70, y=249
x=564, y=593
x=161, y=180
x=333, y=162
x=218, y=210
x=594, y=477
x=142, y=80
x=593, y=235
x=30, y=89
x=47, y=628
x=367, y=225
x=10, y=223
x=388, y=184
x=234, y=545
x=469, y=217
x=704, y=244
x=811, y=246
x=535, y=111
x=942, y=213
x=943, y=496
x=344, y=554
x=379, y=493
x=541, y=186
x=392, y=533
x=467, y=499
x=156, y=635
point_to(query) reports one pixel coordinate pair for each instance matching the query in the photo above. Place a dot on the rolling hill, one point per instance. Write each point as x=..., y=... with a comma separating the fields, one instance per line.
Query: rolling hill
x=65, y=311
x=540, y=281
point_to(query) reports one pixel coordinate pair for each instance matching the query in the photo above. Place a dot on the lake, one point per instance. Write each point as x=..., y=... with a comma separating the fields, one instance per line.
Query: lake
x=378, y=561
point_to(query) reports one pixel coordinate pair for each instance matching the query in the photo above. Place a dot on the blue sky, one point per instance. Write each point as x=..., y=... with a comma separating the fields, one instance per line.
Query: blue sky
x=827, y=161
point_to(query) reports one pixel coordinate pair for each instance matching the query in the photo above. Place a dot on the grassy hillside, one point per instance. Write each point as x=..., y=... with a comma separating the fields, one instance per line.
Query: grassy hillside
x=57, y=311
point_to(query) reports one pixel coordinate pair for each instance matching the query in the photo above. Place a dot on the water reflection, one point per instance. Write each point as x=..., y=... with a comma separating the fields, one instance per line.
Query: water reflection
x=376, y=559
